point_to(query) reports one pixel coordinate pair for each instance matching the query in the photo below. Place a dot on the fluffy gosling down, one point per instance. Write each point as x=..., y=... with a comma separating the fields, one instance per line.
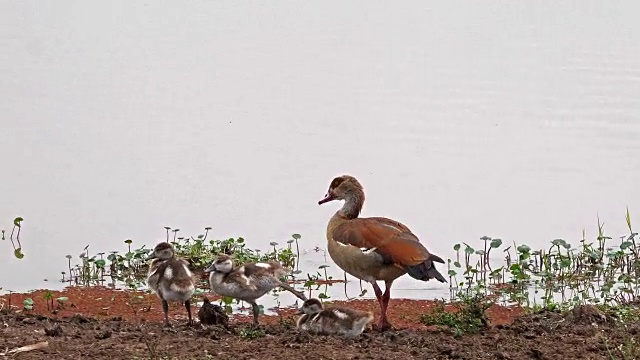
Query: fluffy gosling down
x=170, y=278
x=247, y=282
x=332, y=320
x=212, y=314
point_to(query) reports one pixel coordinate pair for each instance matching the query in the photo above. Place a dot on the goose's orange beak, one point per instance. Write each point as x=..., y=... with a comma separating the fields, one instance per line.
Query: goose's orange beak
x=328, y=197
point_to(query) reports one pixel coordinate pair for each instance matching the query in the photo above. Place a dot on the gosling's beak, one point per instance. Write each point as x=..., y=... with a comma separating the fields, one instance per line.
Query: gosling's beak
x=300, y=312
x=151, y=256
x=211, y=268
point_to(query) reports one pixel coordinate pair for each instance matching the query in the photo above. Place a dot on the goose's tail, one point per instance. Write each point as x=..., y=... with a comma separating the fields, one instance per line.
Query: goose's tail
x=427, y=270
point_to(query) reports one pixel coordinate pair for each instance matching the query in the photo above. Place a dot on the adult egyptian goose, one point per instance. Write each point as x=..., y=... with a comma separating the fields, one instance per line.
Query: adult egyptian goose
x=170, y=278
x=332, y=320
x=247, y=282
x=374, y=248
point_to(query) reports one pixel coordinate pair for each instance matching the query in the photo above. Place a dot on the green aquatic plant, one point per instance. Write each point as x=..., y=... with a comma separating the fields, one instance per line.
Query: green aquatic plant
x=17, y=251
x=598, y=272
x=17, y=245
x=129, y=269
x=602, y=272
x=28, y=304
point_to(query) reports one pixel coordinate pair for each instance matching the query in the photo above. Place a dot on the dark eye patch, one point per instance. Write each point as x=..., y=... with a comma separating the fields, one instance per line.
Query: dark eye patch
x=336, y=182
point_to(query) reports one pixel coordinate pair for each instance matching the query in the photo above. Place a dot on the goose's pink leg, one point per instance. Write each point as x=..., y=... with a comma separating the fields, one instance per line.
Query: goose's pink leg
x=383, y=300
x=384, y=322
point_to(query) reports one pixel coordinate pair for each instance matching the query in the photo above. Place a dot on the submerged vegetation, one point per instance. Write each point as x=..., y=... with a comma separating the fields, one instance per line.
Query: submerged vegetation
x=604, y=272
x=14, y=236
x=601, y=271
x=129, y=268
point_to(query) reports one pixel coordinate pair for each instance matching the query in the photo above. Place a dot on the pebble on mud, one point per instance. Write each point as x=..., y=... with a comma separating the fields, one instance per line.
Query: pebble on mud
x=104, y=334
x=79, y=319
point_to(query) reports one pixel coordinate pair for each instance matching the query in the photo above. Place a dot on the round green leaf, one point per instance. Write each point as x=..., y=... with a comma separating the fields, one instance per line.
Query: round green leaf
x=625, y=245
x=17, y=221
x=560, y=242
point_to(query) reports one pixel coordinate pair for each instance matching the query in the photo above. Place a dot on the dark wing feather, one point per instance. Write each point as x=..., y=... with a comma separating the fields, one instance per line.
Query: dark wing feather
x=251, y=269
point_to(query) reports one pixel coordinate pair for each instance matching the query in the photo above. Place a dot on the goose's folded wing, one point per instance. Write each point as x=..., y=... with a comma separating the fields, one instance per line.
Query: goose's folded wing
x=391, y=239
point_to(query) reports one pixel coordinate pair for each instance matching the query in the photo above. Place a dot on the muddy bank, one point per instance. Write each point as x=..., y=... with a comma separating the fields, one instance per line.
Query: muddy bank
x=75, y=332
x=530, y=337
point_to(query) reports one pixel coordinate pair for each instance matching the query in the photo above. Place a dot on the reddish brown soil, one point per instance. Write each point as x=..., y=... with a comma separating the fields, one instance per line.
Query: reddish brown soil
x=135, y=306
x=101, y=323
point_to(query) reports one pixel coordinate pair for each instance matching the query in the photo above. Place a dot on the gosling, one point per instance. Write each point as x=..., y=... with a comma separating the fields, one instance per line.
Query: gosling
x=316, y=319
x=247, y=282
x=170, y=278
x=212, y=314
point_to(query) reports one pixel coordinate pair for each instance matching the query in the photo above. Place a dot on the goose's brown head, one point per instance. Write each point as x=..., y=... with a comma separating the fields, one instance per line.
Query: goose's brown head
x=341, y=188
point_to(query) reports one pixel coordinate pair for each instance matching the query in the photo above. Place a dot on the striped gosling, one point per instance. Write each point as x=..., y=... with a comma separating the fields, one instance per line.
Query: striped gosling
x=170, y=278
x=247, y=282
x=332, y=320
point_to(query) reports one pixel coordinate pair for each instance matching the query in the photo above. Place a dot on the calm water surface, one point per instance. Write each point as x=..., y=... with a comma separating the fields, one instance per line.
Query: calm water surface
x=507, y=119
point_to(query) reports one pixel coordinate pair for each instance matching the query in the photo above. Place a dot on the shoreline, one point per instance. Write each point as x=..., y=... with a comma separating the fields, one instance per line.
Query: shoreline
x=103, y=323
x=138, y=306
